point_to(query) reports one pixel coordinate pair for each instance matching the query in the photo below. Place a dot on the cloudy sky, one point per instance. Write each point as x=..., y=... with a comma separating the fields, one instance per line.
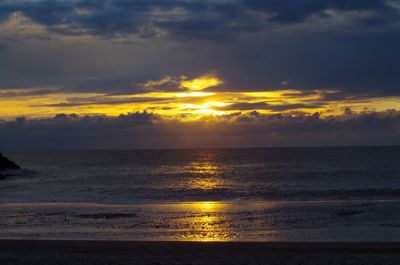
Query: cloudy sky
x=198, y=73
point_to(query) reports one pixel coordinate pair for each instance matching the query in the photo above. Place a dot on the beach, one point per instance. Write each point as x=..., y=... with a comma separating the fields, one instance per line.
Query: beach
x=262, y=221
x=251, y=206
x=18, y=252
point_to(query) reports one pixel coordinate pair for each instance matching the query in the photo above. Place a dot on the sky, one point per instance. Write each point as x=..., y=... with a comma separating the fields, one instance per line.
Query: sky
x=105, y=74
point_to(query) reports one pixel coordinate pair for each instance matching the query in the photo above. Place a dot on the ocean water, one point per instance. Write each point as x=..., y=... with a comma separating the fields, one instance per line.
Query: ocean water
x=205, y=175
x=277, y=194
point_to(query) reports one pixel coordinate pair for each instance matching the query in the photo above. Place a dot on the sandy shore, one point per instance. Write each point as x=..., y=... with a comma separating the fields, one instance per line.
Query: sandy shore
x=293, y=221
x=13, y=252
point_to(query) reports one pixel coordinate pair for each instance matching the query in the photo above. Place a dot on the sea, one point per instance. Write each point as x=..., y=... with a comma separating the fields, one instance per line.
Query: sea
x=255, y=194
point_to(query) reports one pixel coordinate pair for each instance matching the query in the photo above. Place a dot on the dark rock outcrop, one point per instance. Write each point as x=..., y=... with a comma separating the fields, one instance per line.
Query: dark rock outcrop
x=6, y=163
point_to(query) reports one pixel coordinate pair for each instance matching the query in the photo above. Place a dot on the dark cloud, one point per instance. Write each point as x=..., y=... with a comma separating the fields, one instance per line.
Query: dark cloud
x=3, y=46
x=345, y=45
x=114, y=18
x=147, y=130
x=354, y=62
x=292, y=11
x=183, y=19
x=266, y=106
x=101, y=100
x=33, y=92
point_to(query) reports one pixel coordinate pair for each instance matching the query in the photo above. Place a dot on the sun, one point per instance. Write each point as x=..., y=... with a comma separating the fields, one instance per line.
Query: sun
x=202, y=109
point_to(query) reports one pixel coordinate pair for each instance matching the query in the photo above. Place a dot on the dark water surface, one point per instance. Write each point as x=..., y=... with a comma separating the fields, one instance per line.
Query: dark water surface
x=206, y=175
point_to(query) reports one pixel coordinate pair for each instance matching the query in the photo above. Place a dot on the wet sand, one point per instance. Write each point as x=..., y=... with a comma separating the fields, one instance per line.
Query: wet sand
x=16, y=252
x=329, y=221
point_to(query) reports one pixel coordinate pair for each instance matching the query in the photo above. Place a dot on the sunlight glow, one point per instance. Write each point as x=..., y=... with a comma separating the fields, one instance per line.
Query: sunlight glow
x=185, y=105
x=206, y=222
x=205, y=108
x=194, y=94
x=201, y=83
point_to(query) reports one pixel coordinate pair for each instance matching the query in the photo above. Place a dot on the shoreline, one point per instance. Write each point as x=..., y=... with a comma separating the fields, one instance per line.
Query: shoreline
x=289, y=244
x=333, y=221
x=16, y=252
x=246, y=201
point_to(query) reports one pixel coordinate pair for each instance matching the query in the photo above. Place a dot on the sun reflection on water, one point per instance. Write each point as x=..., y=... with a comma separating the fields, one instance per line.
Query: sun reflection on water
x=202, y=173
x=207, y=222
x=206, y=176
x=209, y=183
x=216, y=221
x=207, y=167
